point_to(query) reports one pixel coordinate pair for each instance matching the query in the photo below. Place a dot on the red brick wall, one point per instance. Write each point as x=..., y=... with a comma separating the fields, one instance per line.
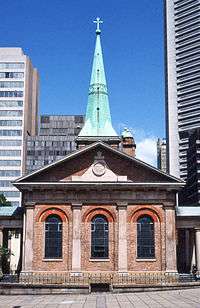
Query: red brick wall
x=157, y=214
x=88, y=212
x=39, y=263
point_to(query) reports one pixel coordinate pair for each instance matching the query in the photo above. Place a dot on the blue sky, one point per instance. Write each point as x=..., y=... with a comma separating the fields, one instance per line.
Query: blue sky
x=59, y=37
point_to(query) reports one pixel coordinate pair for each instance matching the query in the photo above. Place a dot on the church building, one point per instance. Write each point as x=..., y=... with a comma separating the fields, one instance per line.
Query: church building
x=99, y=209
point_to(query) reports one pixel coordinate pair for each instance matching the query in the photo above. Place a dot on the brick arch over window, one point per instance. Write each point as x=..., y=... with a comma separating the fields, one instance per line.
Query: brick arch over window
x=156, y=217
x=91, y=213
x=42, y=215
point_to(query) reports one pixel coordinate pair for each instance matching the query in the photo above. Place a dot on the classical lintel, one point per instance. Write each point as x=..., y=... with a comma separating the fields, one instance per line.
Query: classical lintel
x=122, y=205
x=29, y=204
x=76, y=205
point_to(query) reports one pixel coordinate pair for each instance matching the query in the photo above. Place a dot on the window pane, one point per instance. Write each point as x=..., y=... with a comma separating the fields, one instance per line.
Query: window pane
x=8, y=194
x=145, y=238
x=5, y=183
x=11, y=103
x=15, y=75
x=11, y=93
x=10, y=152
x=11, y=84
x=10, y=123
x=53, y=237
x=11, y=113
x=10, y=173
x=10, y=162
x=10, y=132
x=4, y=143
x=7, y=65
x=99, y=237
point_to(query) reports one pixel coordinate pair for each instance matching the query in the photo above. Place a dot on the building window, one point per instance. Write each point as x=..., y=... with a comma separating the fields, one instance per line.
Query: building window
x=13, y=153
x=11, y=84
x=10, y=173
x=53, y=237
x=11, y=103
x=99, y=237
x=10, y=123
x=145, y=238
x=11, y=113
x=12, y=65
x=16, y=75
x=5, y=132
x=11, y=93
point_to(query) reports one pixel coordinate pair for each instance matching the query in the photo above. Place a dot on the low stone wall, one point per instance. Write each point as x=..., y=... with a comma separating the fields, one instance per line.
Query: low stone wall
x=23, y=289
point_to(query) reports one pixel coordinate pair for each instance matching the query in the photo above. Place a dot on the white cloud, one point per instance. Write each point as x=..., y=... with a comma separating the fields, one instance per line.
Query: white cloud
x=146, y=150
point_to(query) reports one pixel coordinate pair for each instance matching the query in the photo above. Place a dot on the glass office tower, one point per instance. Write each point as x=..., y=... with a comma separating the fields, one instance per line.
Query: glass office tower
x=182, y=37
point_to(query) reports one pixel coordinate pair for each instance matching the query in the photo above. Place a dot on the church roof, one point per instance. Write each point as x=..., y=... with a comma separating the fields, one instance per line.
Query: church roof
x=98, y=119
x=159, y=177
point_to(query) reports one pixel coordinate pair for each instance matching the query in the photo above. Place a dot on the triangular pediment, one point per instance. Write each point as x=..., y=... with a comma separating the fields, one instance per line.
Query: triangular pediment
x=98, y=162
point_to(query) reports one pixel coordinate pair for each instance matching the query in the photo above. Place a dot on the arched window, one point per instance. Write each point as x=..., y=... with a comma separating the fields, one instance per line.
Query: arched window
x=53, y=237
x=145, y=238
x=99, y=237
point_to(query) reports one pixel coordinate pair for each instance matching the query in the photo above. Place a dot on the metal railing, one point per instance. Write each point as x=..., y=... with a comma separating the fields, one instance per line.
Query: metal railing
x=114, y=279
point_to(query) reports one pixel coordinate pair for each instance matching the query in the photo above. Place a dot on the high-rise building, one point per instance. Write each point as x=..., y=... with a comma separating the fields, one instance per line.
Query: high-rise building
x=161, y=154
x=18, y=116
x=56, y=139
x=190, y=195
x=182, y=37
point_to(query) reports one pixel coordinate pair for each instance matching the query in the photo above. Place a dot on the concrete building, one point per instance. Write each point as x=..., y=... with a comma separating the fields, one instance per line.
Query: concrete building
x=182, y=37
x=161, y=155
x=18, y=116
x=56, y=139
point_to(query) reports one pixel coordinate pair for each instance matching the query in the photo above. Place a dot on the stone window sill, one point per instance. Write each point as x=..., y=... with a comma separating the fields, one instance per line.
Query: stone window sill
x=99, y=260
x=52, y=260
x=146, y=260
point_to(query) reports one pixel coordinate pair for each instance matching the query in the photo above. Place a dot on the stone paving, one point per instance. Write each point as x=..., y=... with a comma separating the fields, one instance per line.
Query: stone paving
x=171, y=299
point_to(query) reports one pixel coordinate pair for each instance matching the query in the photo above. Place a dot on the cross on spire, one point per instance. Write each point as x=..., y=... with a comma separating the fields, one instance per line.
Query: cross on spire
x=98, y=21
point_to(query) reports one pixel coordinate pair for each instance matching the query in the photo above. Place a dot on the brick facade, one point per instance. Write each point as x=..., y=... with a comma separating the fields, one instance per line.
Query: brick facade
x=64, y=211
x=71, y=190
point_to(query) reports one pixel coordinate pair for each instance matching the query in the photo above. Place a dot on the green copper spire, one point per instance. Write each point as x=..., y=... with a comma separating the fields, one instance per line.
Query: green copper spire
x=98, y=119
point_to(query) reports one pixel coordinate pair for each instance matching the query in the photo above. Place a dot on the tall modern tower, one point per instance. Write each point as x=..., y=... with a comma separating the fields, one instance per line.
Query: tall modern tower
x=182, y=37
x=18, y=116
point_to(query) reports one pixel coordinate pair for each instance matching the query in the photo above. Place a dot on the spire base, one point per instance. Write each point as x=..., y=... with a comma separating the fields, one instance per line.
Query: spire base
x=83, y=141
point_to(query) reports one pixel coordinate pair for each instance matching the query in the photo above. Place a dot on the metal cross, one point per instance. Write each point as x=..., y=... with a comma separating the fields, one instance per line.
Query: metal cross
x=98, y=21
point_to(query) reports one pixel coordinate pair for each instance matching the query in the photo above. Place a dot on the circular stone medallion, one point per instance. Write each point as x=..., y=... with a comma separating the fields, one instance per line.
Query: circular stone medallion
x=99, y=169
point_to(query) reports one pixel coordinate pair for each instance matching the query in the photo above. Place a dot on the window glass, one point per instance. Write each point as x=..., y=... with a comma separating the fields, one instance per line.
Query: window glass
x=11, y=113
x=11, y=84
x=5, y=183
x=10, y=162
x=10, y=123
x=11, y=103
x=53, y=237
x=145, y=238
x=99, y=237
x=11, y=93
x=10, y=152
x=9, y=172
x=7, y=65
x=4, y=143
x=5, y=132
x=15, y=203
x=10, y=194
x=15, y=75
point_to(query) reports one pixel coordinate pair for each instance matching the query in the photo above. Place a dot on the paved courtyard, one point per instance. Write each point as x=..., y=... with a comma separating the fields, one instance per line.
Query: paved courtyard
x=173, y=299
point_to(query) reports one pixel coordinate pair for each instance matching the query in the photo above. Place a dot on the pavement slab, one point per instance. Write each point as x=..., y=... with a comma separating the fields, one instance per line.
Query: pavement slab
x=160, y=299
